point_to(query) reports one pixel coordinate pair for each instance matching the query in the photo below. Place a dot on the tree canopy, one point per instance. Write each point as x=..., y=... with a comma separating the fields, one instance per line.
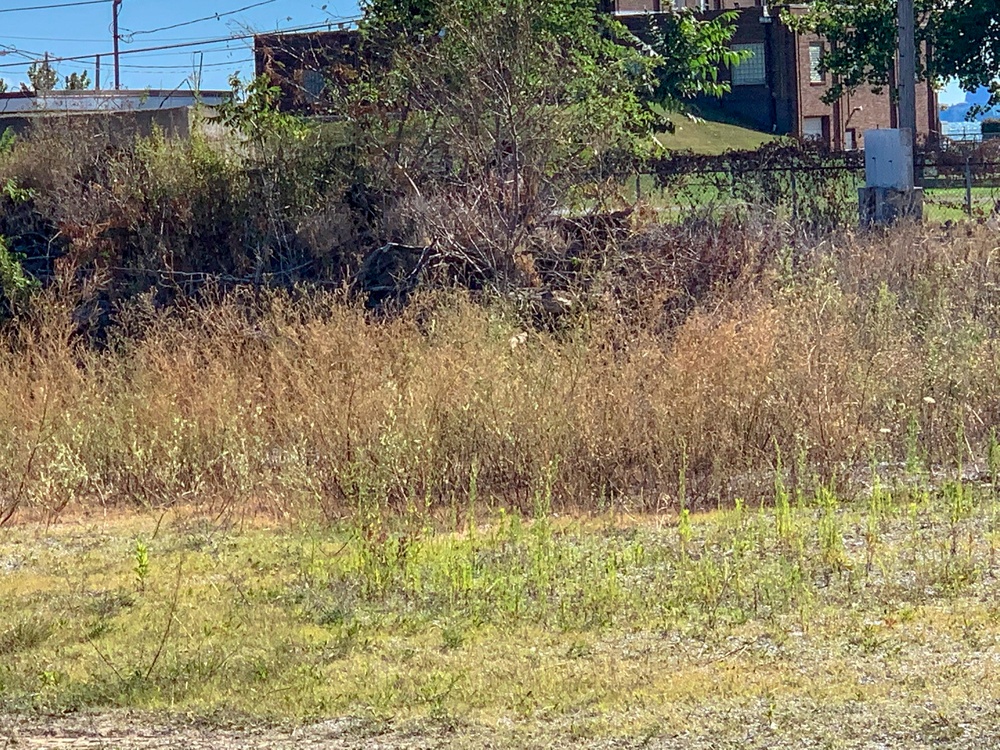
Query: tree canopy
x=77, y=81
x=43, y=76
x=963, y=37
x=493, y=112
x=677, y=60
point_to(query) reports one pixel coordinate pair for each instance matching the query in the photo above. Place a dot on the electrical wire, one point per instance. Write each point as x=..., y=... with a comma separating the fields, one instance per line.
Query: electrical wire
x=187, y=67
x=52, y=39
x=132, y=34
x=238, y=37
x=74, y=4
x=7, y=49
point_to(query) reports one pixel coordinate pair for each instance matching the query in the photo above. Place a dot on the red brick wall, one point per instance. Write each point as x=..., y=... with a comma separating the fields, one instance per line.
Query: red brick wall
x=862, y=110
x=790, y=96
x=639, y=6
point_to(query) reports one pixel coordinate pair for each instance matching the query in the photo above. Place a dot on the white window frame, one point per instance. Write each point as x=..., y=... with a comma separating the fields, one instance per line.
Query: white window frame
x=816, y=52
x=813, y=136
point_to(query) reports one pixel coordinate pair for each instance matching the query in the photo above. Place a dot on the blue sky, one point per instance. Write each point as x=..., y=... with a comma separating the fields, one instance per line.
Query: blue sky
x=86, y=30
x=952, y=94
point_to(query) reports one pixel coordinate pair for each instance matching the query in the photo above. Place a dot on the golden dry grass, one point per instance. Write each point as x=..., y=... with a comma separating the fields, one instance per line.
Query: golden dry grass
x=864, y=350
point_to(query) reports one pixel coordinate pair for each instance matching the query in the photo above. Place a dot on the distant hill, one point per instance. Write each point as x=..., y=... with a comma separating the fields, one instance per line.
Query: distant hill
x=959, y=112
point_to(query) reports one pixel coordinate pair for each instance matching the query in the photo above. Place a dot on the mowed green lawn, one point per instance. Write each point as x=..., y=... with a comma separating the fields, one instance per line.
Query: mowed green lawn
x=710, y=137
x=774, y=624
x=942, y=204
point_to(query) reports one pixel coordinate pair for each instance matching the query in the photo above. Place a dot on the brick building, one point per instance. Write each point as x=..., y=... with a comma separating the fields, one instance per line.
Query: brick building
x=307, y=66
x=780, y=88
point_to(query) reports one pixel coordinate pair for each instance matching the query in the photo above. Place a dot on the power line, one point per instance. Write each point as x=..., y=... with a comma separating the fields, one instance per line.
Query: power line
x=6, y=49
x=216, y=17
x=74, y=4
x=50, y=39
x=234, y=38
x=31, y=57
x=224, y=64
x=240, y=47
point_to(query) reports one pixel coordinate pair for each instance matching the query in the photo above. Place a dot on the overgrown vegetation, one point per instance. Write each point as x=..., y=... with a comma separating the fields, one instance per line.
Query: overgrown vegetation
x=519, y=429
x=702, y=360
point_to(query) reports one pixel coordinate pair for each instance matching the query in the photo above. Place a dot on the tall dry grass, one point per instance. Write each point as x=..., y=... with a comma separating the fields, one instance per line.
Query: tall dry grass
x=863, y=351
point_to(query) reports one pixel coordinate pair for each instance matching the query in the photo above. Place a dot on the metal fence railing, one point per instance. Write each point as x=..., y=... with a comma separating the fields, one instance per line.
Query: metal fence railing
x=819, y=188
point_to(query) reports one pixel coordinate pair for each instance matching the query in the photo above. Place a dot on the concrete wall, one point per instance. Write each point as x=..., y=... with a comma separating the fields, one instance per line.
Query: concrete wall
x=174, y=123
x=107, y=101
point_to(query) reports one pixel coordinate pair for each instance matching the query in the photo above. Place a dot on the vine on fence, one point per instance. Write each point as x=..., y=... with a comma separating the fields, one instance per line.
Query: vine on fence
x=802, y=181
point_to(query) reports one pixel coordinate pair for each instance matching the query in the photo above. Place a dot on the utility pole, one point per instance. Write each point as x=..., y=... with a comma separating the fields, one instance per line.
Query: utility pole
x=907, y=68
x=890, y=193
x=116, y=7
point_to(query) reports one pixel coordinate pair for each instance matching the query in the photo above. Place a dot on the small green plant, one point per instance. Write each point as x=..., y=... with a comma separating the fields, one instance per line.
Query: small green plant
x=16, y=286
x=7, y=139
x=915, y=459
x=140, y=563
x=879, y=502
x=960, y=507
x=10, y=187
x=831, y=539
x=24, y=635
x=782, y=505
x=684, y=530
x=993, y=460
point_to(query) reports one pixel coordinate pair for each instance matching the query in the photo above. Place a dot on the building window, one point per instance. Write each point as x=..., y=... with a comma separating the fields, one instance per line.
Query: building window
x=313, y=83
x=752, y=70
x=814, y=129
x=851, y=139
x=815, y=56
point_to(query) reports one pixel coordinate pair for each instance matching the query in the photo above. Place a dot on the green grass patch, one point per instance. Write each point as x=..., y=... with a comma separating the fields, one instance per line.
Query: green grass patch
x=605, y=626
x=711, y=137
x=942, y=204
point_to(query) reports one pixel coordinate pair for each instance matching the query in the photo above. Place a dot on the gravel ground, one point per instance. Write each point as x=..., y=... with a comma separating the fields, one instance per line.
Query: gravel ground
x=800, y=726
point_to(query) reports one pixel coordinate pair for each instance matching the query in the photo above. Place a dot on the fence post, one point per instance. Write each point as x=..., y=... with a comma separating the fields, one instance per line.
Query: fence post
x=795, y=195
x=968, y=186
x=638, y=186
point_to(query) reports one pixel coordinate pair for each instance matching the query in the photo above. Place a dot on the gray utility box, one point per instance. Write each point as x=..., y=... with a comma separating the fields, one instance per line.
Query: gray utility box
x=889, y=194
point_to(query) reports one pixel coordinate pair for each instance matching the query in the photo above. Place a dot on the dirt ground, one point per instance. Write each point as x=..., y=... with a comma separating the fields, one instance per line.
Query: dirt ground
x=759, y=725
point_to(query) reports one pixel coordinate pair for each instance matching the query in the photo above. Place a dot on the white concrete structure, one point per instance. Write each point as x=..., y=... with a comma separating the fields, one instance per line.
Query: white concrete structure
x=17, y=102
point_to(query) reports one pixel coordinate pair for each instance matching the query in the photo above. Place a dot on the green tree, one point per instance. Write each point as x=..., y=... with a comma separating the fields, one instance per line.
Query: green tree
x=3, y=86
x=489, y=113
x=964, y=37
x=689, y=53
x=78, y=81
x=684, y=51
x=43, y=76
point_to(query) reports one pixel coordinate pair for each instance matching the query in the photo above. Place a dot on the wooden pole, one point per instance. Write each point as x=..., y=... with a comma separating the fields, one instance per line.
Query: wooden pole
x=907, y=68
x=116, y=7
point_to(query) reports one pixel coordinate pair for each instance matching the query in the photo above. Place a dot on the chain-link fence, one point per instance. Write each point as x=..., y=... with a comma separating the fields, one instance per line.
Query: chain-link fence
x=816, y=188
